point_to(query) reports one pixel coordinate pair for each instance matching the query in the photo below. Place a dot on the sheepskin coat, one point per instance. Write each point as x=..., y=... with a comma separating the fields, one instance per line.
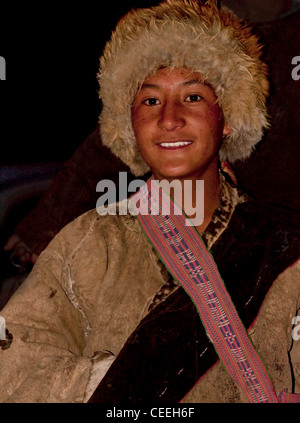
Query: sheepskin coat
x=99, y=276
x=89, y=290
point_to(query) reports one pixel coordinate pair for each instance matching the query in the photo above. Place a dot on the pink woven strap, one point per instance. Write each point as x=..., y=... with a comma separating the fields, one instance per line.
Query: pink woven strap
x=188, y=260
x=288, y=398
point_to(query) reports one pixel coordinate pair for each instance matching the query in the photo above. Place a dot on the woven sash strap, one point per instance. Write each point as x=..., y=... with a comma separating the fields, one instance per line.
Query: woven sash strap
x=188, y=260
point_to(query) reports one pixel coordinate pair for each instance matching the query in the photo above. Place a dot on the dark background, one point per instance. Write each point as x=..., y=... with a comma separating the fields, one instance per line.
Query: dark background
x=49, y=102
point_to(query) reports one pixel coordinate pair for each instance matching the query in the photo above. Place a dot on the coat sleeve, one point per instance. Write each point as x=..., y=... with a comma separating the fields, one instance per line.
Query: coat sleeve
x=46, y=361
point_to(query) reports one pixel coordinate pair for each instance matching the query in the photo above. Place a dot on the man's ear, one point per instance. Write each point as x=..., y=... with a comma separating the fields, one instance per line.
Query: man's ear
x=226, y=130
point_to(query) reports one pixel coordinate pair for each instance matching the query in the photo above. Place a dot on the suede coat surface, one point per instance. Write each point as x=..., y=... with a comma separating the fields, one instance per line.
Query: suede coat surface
x=88, y=292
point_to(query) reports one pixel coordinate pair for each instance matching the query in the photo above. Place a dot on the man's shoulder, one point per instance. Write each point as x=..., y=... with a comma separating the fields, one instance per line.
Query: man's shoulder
x=260, y=237
x=95, y=227
x=268, y=215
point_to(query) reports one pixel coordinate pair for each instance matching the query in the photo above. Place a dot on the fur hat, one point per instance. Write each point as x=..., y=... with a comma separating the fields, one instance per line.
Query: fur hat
x=191, y=34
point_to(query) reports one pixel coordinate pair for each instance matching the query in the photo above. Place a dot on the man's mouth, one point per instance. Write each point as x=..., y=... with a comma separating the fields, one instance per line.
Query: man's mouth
x=175, y=144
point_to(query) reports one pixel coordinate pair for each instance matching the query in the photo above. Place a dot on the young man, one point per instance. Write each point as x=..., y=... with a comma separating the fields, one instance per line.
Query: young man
x=140, y=305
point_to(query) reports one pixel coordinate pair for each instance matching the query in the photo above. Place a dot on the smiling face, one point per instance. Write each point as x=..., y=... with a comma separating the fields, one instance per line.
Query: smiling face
x=178, y=124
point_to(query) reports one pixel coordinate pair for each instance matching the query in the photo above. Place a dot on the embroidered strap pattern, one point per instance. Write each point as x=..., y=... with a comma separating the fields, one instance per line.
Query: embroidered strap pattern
x=288, y=398
x=188, y=260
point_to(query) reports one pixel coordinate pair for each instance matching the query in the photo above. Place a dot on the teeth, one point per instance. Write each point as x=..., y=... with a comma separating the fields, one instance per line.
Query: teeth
x=175, y=144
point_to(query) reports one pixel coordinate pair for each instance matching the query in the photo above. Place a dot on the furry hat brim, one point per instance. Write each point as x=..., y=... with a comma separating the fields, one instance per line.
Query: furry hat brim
x=200, y=37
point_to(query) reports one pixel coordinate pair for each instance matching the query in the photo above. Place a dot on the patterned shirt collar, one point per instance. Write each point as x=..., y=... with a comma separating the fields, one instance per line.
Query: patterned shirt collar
x=230, y=197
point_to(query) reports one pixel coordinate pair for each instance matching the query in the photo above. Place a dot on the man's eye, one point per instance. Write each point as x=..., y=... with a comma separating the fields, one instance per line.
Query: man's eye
x=193, y=98
x=151, y=102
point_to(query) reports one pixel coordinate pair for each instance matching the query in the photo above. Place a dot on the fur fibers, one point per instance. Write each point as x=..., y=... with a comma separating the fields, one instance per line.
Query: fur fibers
x=197, y=36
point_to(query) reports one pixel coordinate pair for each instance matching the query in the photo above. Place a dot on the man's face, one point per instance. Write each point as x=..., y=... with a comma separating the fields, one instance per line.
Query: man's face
x=178, y=124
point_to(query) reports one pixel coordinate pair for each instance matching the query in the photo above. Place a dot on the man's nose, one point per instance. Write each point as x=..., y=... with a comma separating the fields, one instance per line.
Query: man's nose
x=171, y=116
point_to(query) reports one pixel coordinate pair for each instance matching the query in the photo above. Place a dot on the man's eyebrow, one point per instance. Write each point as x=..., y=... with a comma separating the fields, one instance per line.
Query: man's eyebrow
x=145, y=86
x=189, y=82
x=196, y=81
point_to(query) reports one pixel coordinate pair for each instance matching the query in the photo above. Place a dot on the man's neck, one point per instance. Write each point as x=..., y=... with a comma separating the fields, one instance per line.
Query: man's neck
x=211, y=198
